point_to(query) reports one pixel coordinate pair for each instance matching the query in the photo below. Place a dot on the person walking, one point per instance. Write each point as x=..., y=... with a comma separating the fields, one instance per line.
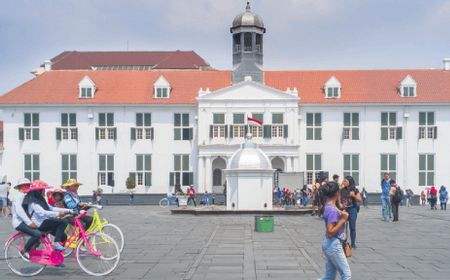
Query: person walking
x=433, y=197
x=191, y=195
x=443, y=197
x=423, y=198
x=335, y=220
x=350, y=197
x=385, y=198
x=364, y=197
x=131, y=198
x=305, y=195
x=396, y=195
x=3, y=198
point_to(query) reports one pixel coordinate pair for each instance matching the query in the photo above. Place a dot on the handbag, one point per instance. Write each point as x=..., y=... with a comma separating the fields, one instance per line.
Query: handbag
x=345, y=245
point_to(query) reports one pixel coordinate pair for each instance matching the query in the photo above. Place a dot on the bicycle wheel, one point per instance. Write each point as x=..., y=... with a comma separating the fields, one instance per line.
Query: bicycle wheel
x=102, y=259
x=116, y=233
x=164, y=203
x=17, y=262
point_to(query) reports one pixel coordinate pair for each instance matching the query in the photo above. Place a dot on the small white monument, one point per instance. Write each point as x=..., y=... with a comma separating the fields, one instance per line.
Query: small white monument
x=249, y=176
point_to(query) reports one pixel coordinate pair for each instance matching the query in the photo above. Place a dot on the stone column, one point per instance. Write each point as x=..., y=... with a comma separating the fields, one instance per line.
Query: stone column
x=201, y=174
x=208, y=174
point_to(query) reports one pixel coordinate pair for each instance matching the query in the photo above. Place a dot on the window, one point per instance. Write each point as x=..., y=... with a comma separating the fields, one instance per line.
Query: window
x=238, y=128
x=277, y=125
x=333, y=92
x=181, y=175
x=106, y=129
x=313, y=126
x=182, y=131
x=258, y=44
x=217, y=177
x=427, y=127
x=68, y=167
x=218, y=129
x=31, y=167
x=143, y=174
x=143, y=129
x=106, y=170
x=351, y=166
x=162, y=92
x=247, y=42
x=86, y=92
x=68, y=129
x=30, y=131
x=408, y=91
x=389, y=129
x=389, y=165
x=426, y=170
x=313, y=167
x=351, y=126
x=237, y=42
x=257, y=130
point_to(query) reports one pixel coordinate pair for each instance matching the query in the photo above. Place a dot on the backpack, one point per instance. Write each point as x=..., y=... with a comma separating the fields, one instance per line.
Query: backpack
x=398, y=195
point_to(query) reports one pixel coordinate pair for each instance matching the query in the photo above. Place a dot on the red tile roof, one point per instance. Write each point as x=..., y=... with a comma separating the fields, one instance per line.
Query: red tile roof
x=76, y=60
x=136, y=87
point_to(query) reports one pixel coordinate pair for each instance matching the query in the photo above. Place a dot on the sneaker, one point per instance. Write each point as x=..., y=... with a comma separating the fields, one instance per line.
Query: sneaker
x=62, y=265
x=59, y=247
x=26, y=255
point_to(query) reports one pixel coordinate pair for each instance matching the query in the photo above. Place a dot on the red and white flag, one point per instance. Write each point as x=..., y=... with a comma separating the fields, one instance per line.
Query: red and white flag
x=252, y=121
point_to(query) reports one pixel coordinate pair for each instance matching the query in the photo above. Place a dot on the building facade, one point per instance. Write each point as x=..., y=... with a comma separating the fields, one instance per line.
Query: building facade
x=180, y=125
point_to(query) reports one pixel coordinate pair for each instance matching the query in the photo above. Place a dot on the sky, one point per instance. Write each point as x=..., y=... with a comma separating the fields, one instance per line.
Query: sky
x=301, y=34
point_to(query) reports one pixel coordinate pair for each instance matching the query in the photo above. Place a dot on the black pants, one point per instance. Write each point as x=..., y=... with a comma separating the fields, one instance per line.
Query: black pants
x=56, y=227
x=395, y=210
x=34, y=234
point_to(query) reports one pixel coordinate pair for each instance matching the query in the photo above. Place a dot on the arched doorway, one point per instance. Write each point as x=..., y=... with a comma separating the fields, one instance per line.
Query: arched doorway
x=278, y=165
x=218, y=165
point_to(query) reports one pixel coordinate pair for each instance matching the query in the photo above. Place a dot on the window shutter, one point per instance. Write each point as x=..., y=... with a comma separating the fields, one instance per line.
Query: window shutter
x=191, y=178
x=267, y=131
x=152, y=132
x=58, y=133
x=35, y=133
x=148, y=179
x=285, y=131
x=355, y=133
x=76, y=133
x=96, y=133
x=384, y=133
x=115, y=133
x=226, y=131
x=399, y=133
x=435, y=132
x=133, y=133
x=211, y=131
x=171, y=179
x=231, y=131
x=21, y=134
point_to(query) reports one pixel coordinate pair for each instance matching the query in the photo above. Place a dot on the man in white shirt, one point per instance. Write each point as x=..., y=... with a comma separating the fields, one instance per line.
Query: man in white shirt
x=3, y=198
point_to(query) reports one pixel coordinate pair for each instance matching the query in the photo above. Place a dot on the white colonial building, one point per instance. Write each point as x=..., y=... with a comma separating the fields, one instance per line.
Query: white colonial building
x=169, y=118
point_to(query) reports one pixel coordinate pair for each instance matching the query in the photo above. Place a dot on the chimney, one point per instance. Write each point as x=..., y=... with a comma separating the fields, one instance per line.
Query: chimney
x=447, y=64
x=47, y=65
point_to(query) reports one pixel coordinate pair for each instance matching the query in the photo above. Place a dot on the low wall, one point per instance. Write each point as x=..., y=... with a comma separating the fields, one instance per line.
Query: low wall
x=153, y=199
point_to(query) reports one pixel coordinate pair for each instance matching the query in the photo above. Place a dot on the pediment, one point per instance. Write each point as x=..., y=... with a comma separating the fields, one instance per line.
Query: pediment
x=248, y=90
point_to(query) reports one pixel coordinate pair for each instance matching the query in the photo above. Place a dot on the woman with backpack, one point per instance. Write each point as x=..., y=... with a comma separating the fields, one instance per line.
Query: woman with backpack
x=443, y=197
x=396, y=195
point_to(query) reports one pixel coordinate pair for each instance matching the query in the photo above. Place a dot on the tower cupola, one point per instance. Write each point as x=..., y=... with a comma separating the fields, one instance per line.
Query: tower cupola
x=247, y=31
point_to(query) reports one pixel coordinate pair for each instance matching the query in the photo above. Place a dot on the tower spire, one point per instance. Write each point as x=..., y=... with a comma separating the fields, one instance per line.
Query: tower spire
x=247, y=8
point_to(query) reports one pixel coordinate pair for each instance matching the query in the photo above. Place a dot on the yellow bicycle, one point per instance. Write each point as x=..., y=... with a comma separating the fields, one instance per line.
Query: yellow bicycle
x=97, y=225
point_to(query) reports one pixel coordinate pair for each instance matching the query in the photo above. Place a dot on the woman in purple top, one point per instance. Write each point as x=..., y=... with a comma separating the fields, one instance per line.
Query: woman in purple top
x=334, y=235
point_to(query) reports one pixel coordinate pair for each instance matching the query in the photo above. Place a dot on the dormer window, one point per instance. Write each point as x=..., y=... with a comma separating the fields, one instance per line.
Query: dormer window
x=86, y=88
x=161, y=88
x=408, y=87
x=332, y=88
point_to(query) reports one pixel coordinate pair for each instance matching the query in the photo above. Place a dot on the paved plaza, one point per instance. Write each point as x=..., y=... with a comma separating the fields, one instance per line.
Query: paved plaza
x=164, y=246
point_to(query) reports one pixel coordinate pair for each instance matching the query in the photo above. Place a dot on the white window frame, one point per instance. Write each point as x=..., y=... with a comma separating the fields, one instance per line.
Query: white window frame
x=391, y=128
x=106, y=131
x=219, y=127
x=34, y=172
x=313, y=173
x=162, y=92
x=332, y=88
x=103, y=174
x=182, y=168
x=69, y=132
x=144, y=131
x=392, y=171
x=182, y=127
x=426, y=130
x=87, y=92
x=315, y=128
x=407, y=89
x=427, y=171
x=71, y=171
x=351, y=171
x=140, y=174
x=238, y=128
x=28, y=131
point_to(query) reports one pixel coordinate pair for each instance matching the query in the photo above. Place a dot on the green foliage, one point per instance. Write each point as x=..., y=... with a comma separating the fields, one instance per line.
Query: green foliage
x=130, y=183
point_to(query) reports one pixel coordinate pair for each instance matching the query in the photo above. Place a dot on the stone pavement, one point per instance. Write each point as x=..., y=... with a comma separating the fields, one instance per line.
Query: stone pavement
x=164, y=246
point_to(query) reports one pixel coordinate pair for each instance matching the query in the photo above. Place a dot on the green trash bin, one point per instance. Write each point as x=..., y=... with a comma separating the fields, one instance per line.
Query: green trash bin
x=264, y=223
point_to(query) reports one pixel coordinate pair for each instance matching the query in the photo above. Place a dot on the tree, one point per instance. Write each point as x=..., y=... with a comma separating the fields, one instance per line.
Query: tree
x=130, y=183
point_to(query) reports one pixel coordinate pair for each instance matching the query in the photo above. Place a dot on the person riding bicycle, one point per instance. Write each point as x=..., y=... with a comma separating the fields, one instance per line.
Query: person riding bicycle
x=45, y=217
x=20, y=220
x=73, y=201
x=56, y=198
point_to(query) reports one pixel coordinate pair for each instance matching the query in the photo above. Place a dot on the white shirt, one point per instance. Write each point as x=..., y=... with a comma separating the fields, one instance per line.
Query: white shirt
x=18, y=213
x=39, y=214
x=3, y=191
